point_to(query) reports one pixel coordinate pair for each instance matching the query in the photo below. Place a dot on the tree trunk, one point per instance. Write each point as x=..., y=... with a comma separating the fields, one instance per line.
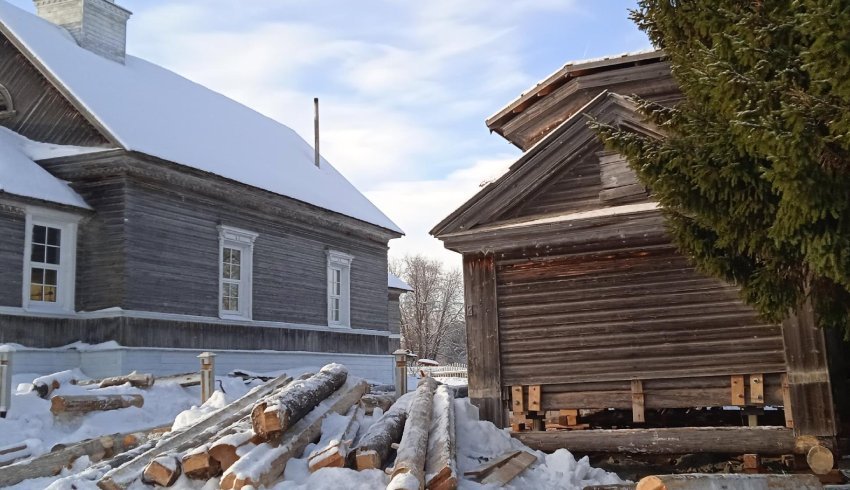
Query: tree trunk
x=440, y=467
x=409, y=469
x=91, y=403
x=375, y=445
x=271, y=419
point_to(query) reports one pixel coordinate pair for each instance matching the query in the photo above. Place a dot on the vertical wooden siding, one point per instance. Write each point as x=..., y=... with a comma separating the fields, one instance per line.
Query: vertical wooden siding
x=43, y=114
x=11, y=255
x=618, y=314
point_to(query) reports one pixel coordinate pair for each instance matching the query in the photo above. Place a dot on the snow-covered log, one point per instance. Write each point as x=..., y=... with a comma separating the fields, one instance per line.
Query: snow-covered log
x=371, y=401
x=409, y=468
x=185, y=379
x=162, y=471
x=93, y=403
x=440, y=467
x=137, y=380
x=230, y=448
x=189, y=437
x=264, y=464
x=272, y=418
x=52, y=463
x=375, y=444
x=338, y=434
x=45, y=385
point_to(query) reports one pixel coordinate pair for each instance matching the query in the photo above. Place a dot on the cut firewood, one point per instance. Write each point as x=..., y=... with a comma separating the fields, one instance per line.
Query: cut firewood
x=52, y=463
x=409, y=470
x=374, y=446
x=371, y=401
x=45, y=385
x=440, y=466
x=332, y=449
x=199, y=465
x=264, y=464
x=92, y=403
x=510, y=470
x=163, y=471
x=486, y=468
x=189, y=437
x=270, y=419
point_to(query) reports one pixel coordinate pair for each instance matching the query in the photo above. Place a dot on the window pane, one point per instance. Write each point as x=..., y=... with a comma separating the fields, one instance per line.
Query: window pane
x=36, y=292
x=53, y=236
x=50, y=294
x=37, y=276
x=225, y=303
x=38, y=253
x=52, y=255
x=235, y=256
x=225, y=271
x=50, y=277
x=234, y=272
x=39, y=234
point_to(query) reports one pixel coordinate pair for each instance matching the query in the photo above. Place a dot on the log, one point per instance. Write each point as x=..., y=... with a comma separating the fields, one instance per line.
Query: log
x=409, y=470
x=13, y=452
x=198, y=464
x=226, y=450
x=93, y=403
x=45, y=385
x=51, y=464
x=374, y=446
x=135, y=379
x=184, y=379
x=332, y=449
x=163, y=471
x=440, y=466
x=189, y=437
x=736, y=481
x=264, y=464
x=271, y=419
x=371, y=401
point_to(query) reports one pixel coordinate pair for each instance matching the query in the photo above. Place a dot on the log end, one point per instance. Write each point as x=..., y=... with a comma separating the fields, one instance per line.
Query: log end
x=651, y=483
x=162, y=471
x=368, y=460
x=225, y=455
x=200, y=466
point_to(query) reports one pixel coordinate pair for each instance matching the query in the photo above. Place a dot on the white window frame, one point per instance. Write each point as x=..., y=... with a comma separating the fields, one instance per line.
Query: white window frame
x=67, y=269
x=243, y=240
x=342, y=262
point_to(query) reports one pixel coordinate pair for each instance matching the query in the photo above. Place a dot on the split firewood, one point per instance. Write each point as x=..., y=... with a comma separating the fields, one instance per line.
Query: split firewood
x=409, y=470
x=374, y=446
x=45, y=385
x=270, y=419
x=199, y=465
x=189, y=437
x=264, y=464
x=52, y=463
x=440, y=466
x=163, y=471
x=332, y=450
x=371, y=401
x=92, y=403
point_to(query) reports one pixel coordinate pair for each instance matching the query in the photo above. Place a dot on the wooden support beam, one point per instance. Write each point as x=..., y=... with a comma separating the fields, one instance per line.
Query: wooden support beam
x=738, y=390
x=756, y=389
x=724, y=440
x=638, y=403
x=534, y=398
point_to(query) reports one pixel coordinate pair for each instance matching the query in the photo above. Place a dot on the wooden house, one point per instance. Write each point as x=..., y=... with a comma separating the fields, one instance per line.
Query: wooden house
x=578, y=304
x=140, y=207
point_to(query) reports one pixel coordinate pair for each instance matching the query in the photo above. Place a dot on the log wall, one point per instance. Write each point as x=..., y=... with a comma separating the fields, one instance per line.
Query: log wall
x=12, y=230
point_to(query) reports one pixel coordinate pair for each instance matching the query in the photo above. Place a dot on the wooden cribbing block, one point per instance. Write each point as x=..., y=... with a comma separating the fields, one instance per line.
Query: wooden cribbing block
x=756, y=389
x=752, y=463
x=163, y=471
x=517, y=403
x=638, y=404
x=786, y=402
x=92, y=403
x=511, y=469
x=738, y=391
x=534, y=398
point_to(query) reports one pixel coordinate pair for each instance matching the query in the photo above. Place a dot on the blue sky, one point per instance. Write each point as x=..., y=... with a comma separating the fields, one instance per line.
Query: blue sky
x=404, y=86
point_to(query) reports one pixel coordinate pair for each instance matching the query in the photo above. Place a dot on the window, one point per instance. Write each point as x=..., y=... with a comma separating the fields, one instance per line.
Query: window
x=50, y=261
x=339, y=288
x=236, y=249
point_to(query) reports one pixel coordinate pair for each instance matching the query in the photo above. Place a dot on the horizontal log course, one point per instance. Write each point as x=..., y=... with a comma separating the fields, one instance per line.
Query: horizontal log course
x=92, y=403
x=725, y=440
x=738, y=482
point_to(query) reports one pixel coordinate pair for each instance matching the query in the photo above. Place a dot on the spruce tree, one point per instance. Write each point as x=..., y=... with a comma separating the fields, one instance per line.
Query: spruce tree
x=754, y=171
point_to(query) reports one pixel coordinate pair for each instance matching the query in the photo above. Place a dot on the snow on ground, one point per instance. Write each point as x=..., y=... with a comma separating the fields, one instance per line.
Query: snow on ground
x=171, y=404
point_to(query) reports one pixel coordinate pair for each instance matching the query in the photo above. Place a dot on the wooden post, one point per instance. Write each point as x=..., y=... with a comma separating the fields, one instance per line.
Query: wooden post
x=5, y=380
x=207, y=375
x=482, y=334
x=400, y=371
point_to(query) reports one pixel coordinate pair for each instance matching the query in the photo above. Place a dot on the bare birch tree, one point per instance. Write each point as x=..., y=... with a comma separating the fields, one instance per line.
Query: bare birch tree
x=432, y=321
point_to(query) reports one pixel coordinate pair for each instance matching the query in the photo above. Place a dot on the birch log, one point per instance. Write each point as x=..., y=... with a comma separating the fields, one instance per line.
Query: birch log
x=409, y=469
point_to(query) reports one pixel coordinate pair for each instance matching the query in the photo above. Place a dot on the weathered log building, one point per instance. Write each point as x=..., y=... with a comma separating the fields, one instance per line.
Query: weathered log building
x=576, y=299
x=140, y=207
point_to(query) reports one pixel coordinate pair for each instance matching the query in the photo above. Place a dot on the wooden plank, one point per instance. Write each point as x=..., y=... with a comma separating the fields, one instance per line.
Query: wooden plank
x=786, y=402
x=737, y=396
x=638, y=402
x=482, y=327
x=534, y=398
x=511, y=469
x=517, y=399
x=485, y=469
x=724, y=440
x=756, y=389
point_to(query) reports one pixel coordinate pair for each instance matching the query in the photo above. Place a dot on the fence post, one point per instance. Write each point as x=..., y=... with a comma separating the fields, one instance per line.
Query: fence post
x=207, y=375
x=401, y=356
x=5, y=380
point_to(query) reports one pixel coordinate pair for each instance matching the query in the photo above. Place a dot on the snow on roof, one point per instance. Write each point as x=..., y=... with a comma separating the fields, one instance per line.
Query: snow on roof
x=21, y=176
x=395, y=282
x=154, y=111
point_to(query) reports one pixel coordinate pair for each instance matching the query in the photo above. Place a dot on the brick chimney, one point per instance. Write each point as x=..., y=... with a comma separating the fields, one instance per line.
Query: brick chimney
x=97, y=25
